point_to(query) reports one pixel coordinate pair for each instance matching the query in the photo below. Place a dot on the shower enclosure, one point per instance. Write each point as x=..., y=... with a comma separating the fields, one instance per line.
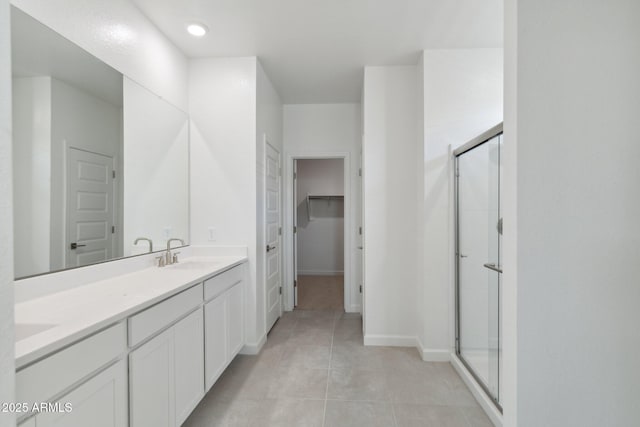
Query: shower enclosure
x=478, y=259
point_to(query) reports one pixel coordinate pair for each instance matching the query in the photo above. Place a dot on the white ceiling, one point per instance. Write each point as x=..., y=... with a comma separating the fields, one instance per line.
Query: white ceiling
x=314, y=50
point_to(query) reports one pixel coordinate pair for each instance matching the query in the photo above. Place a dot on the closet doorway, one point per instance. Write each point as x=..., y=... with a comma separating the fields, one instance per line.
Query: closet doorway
x=319, y=233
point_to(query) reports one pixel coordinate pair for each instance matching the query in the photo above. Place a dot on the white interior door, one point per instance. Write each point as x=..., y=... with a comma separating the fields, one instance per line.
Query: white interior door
x=272, y=238
x=89, y=208
x=295, y=232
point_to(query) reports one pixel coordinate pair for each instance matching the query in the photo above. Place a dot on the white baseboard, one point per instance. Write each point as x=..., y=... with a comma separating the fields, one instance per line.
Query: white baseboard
x=435, y=355
x=390, y=340
x=432, y=354
x=483, y=400
x=320, y=273
x=254, y=348
x=354, y=309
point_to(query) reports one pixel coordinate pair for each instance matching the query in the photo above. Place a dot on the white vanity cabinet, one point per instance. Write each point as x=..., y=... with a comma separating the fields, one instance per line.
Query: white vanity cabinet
x=224, y=321
x=150, y=368
x=90, y=375
x=99, y=402
x=166, y=373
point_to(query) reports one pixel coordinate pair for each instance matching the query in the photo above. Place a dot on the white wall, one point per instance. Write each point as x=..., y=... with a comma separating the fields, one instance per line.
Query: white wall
x=31, y=101
x=156, y=170
x=462, y=99
x=119, y=34
x=268, y=128
x=315, y=130
x=577, y=97
x=51, y=116
x=222, y=104
x=321, y=240
x=391, y=204
x=7, y=363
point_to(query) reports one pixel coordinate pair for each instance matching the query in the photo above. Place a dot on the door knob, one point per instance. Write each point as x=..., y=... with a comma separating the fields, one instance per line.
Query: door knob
x=463, y=256
x=74, y=245
x=270, y=248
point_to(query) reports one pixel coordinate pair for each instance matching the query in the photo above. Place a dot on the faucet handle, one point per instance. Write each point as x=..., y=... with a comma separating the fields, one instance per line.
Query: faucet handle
x=161, y=261
x=175, y=258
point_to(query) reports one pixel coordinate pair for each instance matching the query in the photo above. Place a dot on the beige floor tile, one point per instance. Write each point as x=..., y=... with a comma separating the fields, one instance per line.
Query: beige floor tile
x=348, y=331
x=358, y=414
x=289, y=413
x=356, y=356
x=416, y=387
x=212, y=412
x=429, y=416
x=396, y=359
x=243, y=382
x=305, y=356
x=353, y=384
x=311, y=337
x=286, y=321
x=476, y=417
x=298, y=383
x=278, y=336
x=311, y=355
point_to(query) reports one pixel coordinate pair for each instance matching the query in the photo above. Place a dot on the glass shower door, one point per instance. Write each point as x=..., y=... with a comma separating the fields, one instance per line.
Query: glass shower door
x=479, y=233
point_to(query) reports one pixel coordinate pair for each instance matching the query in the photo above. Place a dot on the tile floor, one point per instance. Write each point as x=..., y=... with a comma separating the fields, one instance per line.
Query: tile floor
x=314, y=371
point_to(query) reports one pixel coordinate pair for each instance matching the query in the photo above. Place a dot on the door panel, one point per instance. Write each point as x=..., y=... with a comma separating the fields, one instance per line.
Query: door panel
x=89, y=208
x=152, y=383
x=215, y=317
x=235, y=320
x=272, y=228
x=189, y=364
x=99, y=402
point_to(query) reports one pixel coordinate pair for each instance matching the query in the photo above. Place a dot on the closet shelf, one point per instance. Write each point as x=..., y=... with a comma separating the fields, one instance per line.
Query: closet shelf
x=327, y=197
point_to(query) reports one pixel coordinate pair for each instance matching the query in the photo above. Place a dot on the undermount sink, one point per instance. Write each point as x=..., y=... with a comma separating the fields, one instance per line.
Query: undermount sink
x=25, y=330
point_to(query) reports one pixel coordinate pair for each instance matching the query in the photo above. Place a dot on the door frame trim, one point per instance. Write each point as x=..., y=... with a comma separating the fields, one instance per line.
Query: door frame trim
x=287, y=233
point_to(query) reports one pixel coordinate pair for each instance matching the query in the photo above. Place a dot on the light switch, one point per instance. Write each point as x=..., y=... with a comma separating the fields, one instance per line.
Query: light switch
x=212, y=234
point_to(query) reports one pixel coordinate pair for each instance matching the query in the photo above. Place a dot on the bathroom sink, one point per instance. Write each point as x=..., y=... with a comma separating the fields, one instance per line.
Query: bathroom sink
x=25, y=330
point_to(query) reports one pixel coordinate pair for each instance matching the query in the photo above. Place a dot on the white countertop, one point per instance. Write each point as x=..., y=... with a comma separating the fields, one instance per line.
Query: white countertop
x=52, y=322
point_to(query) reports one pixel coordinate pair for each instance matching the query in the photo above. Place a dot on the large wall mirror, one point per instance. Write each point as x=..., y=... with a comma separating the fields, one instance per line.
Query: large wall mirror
x=100, y=163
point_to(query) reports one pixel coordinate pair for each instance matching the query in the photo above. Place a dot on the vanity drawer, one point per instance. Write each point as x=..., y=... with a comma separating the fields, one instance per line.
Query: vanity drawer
x=223, y=281
x=52, y=375
x=163, y=314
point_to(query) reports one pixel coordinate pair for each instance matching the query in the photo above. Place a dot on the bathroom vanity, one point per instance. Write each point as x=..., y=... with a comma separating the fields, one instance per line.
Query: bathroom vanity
x=140, y=349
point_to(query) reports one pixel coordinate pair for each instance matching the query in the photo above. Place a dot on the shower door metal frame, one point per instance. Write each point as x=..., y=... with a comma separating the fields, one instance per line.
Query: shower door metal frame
x=475, y=142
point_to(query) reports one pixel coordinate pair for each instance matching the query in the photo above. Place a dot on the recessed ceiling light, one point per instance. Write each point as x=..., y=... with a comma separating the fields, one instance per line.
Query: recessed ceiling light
x=196, y=29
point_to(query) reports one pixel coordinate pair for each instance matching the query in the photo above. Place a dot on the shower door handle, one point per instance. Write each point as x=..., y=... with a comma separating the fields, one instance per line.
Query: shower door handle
x=493, y=267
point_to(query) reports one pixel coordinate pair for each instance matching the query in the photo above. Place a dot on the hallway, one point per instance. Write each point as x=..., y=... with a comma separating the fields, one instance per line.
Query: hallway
x=314, y=371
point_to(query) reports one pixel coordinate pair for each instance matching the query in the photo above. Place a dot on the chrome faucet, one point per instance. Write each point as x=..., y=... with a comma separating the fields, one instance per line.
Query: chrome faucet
x=172, y=259
x=148, y=240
